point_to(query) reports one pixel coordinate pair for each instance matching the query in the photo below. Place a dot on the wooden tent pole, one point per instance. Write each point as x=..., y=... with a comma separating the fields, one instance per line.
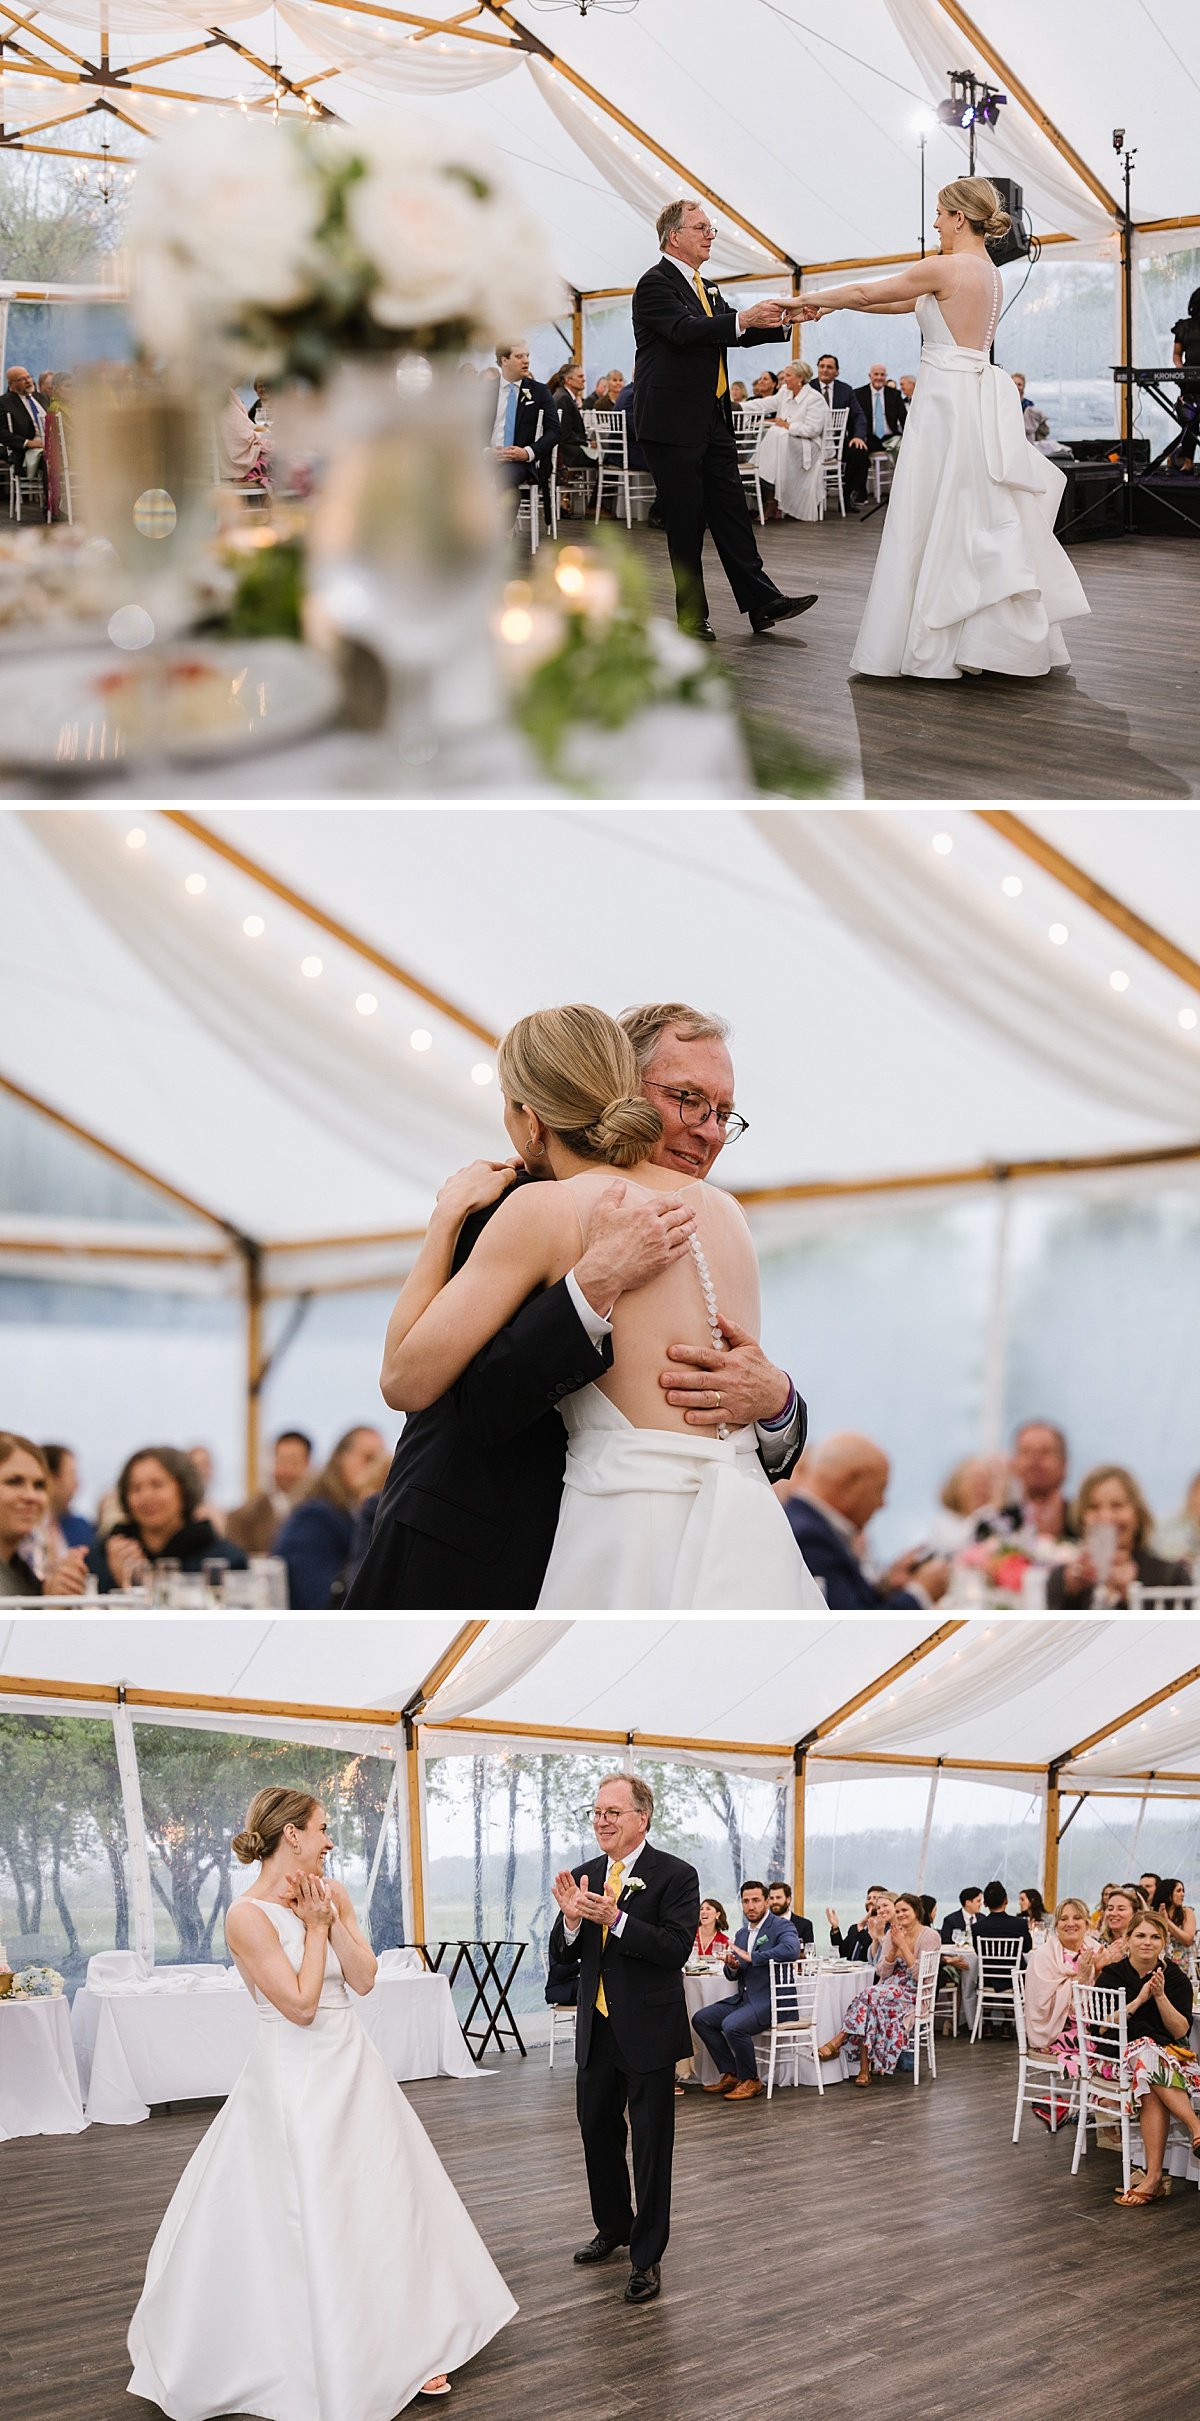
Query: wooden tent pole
x=1082, y=1164
x=1020, y=92
x=121, y=1160
x=1144, y=1707
x=1135, y=928
x=255, y=1365
x=841, y=1714
x=337, y=931
x=1050, y=1841
x=799, y=1820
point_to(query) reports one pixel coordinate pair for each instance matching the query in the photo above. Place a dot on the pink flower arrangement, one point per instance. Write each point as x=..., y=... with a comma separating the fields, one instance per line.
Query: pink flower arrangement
x=1003, y=1566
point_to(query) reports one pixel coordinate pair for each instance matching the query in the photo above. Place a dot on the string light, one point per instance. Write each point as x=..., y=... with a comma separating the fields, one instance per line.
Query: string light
x=1012, y=886
x=196, y=883
x=482, y=1073
x=1059, y=934
x=312, y=966
x=422, y=1040
x=135, y=839
x=942, y=843
x=366, y=1004
x=1119, y=980
x=1187, y=1019
x=252, y=926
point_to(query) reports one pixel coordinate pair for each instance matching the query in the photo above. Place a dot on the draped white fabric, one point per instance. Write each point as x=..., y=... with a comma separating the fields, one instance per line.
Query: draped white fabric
x=400, y=1111
x=1016, y=146
x=391, y=57
x=872, y=872
x=143, y=18
x=977, y=1673
x=502, y=1658
x=632, y=171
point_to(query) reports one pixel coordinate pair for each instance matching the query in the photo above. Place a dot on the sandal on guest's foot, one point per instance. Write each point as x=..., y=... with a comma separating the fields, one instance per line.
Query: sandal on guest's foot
x=1137, y=2195
x=830, y=2050
x=863, y=2078
x=1196, y=2147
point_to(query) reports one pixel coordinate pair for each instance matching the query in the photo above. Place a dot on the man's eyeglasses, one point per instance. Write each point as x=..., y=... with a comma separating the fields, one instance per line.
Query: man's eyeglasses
x=695, y=1109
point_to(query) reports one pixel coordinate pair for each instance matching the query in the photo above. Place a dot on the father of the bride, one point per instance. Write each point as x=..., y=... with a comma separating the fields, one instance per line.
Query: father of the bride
x=684, y=421
x=629, y=1917
x=470, y=1506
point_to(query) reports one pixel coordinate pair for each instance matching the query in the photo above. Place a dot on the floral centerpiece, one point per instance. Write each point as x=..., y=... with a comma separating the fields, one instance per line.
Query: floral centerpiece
x=283, y=251
x=1001, y=1568
x=37, y=1984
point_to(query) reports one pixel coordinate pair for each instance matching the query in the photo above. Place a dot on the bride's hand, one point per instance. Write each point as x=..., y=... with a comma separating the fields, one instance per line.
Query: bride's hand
x=472, y=1188
x=313, y=1903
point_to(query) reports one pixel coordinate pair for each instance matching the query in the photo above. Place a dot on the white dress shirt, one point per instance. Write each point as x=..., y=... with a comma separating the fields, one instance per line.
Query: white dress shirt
x=627, y=1866
x=507, y=387
x=775, y=1445
x=689, y=277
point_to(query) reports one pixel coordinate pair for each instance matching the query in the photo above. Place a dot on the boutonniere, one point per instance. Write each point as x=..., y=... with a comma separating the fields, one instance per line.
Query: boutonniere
x=526, y=396
x=635, y=1883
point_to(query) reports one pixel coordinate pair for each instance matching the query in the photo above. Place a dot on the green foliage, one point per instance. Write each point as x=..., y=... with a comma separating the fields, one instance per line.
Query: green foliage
x=269, y=595
x=53, y=224
x=784, y=768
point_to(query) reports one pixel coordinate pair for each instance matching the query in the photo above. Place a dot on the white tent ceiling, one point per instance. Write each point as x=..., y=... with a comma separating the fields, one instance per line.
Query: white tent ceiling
x=803, y=126
x=141, y=1010
x=1014, y=1695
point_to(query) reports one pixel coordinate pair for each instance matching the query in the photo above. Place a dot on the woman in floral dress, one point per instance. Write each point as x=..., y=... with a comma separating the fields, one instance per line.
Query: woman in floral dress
x=1164, y=2073
x=879, y=2022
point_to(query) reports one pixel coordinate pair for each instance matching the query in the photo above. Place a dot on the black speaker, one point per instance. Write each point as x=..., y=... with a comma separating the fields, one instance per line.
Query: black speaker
x=1109, y=449
x=1093, y=502
x=1015, y=245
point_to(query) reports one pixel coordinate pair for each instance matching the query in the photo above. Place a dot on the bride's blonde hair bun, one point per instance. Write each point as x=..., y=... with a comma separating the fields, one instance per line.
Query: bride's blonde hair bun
x=267, y=1818
x=979, y=203
x=575, y=1068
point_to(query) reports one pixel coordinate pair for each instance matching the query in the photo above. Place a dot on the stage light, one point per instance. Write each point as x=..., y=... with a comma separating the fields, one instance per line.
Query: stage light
x=481, y=1073
x=135, y=839
x=1187, y=1019
x=422, y=1040
x=312, y=966
x=942, y=843
x=366, y=1004
x=1119, y=980
x=1059, y=934
x=252, y=926
x=196, y=883
x=1012, y=886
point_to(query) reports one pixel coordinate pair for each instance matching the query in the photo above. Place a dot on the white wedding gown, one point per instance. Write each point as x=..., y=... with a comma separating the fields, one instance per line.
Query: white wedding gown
x=315, y=2262
x=970, y=576
x=671, y=1518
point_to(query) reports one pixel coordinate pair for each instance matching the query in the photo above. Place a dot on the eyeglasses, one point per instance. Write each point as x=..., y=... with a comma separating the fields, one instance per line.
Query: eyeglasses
x=695, y=1109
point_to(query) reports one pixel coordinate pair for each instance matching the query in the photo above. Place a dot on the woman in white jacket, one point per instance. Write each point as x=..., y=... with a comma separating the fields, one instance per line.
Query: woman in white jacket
x=791, y=452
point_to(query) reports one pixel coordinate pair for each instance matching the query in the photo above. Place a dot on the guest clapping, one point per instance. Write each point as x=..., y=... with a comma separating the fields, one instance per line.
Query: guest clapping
x=878, y=2024
x=727, y=2028
x=1121, y=1907
x=1162, y=2069
x=160, y=1492
x=1113, y=1523
x=24, y=1506
x=855, y=1942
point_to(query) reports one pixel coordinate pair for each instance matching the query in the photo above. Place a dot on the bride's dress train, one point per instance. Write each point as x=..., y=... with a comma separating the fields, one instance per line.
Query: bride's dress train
x=970, y=576
x=315, y=2262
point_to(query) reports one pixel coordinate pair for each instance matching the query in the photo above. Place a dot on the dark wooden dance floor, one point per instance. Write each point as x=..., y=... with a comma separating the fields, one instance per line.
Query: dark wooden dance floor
x=1121, y=724
x=884, y=2251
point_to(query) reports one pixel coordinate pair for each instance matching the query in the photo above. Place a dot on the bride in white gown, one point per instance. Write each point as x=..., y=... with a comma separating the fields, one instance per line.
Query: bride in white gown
x=315, y=2262
x=654, y=1512
x=970, y=576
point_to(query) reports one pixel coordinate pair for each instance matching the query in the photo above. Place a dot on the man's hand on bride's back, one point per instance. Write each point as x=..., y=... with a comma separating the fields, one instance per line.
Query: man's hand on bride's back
x=632, y=1237
x=472, y=1188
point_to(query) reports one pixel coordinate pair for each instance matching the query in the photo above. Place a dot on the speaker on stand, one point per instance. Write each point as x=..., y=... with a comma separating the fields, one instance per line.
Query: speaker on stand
x=1020, y=242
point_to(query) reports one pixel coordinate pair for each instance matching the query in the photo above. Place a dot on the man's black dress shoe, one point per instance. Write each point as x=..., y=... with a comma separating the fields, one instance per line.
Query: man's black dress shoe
x=644, y=2285
x=698, y=630
x=784, y=609
x=601, y=2248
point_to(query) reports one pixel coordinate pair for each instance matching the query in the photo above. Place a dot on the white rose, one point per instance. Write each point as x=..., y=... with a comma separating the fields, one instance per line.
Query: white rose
x=228, y=209
x=419, y=230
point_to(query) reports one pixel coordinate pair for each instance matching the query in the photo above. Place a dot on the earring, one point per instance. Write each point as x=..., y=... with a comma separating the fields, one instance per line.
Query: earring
x=534, y=1150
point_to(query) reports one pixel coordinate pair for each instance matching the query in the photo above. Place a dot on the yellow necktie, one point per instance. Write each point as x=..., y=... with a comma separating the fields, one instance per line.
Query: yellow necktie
x=615, y=1880
x=722, y=381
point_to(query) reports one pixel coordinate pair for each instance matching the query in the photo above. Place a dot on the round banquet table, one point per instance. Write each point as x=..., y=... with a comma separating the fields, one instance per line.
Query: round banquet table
x=39, y=2080
x=155, y=2042
x=836, y=1988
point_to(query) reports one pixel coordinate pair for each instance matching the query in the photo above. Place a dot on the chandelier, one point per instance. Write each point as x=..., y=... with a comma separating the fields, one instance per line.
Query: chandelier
x=615, y=8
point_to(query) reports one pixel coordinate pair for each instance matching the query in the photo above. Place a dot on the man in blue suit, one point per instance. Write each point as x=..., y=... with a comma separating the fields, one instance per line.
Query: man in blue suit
x=845, y=1482
x=727, y=2028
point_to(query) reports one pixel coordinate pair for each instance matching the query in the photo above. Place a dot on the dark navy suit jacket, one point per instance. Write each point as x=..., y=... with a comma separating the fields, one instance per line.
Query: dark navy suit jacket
x=834, y=1568
x=777, y=1938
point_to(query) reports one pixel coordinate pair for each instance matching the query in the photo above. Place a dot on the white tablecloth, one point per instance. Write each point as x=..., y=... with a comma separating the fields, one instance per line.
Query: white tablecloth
x=836, y=1989
x=39, y=2081
x=141, y=2044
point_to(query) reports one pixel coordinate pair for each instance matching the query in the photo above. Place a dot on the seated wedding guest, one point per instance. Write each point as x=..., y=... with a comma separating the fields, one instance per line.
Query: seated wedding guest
x=844, y=1483
x=1180, y=1920
x=929, y=1910
x=600, y=399
x=856, y=1941
x=765, y=385
x=779, y=1901
x=24, y=1504
x=1148, y=1884
x=22, y=421
x=73, y=1529
x=562, y=1983
x=1122, y=1906
x=712, y=1932
x=1179, y=1537
x=525, y=424
x=961, y=1919
x=1113, y=1523
x=243, y=453
x=791, y=450
x=623, y=402
x=1033, y=1909
x=256, y=1524
x=1106, y=1892
x=575, y=451
x=907, y=386
x=159, y=1493
x=884, y=410
x=878, y=2024
x=1163, y=2069
x=260, y=409
x=206, y=1510
x=737, y=393
x=1037, y=426
x=1062, y=1958
x=727, y=2028
x=979, y=1481
x=317, y=1537
x=1036, y=1504
x=994, y=1922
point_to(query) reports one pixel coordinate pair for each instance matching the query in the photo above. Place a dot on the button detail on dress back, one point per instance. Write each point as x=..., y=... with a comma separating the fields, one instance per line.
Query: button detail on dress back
x=710, y=1302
